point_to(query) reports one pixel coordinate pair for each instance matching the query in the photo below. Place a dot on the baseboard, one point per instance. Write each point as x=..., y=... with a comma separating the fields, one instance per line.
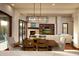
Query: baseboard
x=74, y=46
x=6, y=49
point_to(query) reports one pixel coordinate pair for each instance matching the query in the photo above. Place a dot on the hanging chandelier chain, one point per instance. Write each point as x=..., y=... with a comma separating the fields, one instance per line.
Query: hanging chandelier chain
x=34, y=9
x=40, y=9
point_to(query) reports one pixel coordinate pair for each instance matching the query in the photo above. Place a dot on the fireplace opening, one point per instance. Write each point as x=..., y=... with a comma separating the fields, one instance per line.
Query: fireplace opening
x=32, y=32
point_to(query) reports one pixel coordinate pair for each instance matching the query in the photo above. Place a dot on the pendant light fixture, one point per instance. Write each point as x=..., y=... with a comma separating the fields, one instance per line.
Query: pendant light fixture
x=53, y=4
x=40, y=12
x=34, y=11
x=40, y=9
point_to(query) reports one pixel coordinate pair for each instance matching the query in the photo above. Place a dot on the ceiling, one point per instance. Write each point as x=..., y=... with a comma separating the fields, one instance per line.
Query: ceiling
x=46, y=8
x=47, y=5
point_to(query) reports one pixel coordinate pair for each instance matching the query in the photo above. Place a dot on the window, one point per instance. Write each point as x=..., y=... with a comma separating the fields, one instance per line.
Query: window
x=65, y=28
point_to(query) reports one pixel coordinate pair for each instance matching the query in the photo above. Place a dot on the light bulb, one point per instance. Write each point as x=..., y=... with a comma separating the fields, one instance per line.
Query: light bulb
x=12, y=4
x=53, y=4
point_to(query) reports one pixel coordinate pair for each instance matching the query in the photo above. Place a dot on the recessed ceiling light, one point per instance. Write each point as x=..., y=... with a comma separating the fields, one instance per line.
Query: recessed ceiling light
x=53, y=4
x=12, y=4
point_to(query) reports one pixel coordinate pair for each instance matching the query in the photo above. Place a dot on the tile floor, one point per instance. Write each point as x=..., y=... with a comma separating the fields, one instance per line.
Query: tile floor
x=39, y=53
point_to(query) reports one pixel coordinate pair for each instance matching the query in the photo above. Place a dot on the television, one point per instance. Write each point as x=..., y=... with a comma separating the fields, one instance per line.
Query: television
x=46, y=31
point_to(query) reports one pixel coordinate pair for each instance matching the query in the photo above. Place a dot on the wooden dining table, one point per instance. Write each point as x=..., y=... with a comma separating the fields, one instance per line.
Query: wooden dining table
x=50, y=44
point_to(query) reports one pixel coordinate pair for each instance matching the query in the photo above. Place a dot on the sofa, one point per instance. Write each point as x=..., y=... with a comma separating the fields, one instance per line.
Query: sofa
x=68, y=37
x=59, y=39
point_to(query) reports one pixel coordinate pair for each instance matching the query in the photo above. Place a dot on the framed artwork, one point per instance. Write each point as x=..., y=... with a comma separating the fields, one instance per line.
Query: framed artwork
x=33, y=24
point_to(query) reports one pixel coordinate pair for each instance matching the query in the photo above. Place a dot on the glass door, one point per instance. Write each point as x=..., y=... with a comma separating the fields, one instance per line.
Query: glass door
x=22, y=31
x=4, y=26
x=5, y=29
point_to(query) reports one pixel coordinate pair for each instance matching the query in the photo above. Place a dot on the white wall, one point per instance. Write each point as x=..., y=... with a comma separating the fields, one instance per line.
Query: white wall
x=15, y=26
x=76, y=29
x=59, y=25
x=22, y=17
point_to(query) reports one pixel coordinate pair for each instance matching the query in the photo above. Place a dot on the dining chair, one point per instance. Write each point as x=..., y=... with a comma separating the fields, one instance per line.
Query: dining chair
x=28, y=45
x=42, y=45
x=42, y=36
x=62, y=43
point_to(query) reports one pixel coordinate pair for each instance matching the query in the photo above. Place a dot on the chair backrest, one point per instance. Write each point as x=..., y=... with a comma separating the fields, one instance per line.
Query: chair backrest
x=42, y=41
x=42, y=36
x=62, y=41
x=28, y=43
x=68, y=37
x=32, y=36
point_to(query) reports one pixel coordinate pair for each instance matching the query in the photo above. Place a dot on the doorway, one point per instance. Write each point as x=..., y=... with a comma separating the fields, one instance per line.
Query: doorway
x=5, y=29
x=22, y=31
x=5, y=24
